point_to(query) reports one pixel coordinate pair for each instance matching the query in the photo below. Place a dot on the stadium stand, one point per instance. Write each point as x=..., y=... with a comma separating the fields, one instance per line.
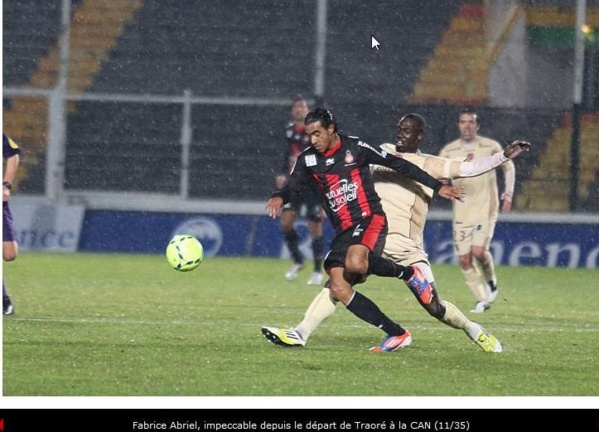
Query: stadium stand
x=548, y=188
x=550, y=28
x=95, y=27
x=25, y=118
x=23, y=48
x=221, y=54
x=213, y=49
x=457, y=72
x=201, y=47
x=223, y=50
x=408, y=38
x=116, y=158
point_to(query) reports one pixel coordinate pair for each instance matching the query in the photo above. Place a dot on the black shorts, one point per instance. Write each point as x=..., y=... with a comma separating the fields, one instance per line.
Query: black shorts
x=8, y=230
x=308, y=206
x=370, y=232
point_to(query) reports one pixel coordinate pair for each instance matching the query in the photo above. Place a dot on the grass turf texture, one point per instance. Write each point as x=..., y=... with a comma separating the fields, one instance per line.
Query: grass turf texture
x=130, y=325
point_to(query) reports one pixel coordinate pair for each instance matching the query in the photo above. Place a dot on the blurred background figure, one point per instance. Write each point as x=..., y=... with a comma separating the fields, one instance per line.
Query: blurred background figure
x=308, y=205
x=474, y=219
x=10, y=247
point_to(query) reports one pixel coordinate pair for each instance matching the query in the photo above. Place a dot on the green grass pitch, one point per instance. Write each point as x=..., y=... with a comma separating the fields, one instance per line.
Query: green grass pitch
x=129, y=325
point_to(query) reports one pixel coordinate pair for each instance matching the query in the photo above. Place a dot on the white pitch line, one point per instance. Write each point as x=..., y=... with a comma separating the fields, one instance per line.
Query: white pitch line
x=111, y=321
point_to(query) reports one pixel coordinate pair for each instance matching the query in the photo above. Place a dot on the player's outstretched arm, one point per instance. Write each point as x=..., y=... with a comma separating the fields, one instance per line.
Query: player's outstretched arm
x=515, y=148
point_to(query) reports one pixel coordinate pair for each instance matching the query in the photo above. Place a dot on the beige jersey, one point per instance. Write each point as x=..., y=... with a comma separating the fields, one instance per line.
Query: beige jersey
x=481, y=202
x=406, y=201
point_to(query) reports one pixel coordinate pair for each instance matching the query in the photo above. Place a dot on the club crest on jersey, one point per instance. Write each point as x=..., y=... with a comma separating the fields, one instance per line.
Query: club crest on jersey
x=310, y=160
x=349, y=158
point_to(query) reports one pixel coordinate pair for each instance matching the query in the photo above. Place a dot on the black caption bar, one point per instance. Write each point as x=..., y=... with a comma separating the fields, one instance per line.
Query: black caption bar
x=305, y=420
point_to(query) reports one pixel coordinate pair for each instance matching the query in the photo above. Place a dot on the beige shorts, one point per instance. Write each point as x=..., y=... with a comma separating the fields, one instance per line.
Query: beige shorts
x=467, y=236
x=403, y=250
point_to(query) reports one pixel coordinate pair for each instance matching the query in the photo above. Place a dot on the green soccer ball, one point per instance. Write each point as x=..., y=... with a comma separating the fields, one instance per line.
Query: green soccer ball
x=184, y=252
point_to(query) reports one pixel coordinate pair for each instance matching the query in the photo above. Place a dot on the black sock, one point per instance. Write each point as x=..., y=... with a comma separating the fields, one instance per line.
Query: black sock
x=380, y=266
x=365, y=309
x=292, y=245
x=317, y=247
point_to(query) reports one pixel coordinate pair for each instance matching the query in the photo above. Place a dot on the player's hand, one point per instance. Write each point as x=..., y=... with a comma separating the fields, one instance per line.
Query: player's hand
x=515, y=148
x=452, y=192
x=506, y=207
x=273, y=206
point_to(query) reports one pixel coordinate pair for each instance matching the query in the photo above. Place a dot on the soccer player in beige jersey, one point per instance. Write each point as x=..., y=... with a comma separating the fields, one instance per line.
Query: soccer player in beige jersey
x=406, y=204
x=474, y=219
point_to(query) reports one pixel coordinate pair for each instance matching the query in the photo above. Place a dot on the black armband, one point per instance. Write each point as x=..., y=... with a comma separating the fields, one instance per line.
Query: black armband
x=7, y=185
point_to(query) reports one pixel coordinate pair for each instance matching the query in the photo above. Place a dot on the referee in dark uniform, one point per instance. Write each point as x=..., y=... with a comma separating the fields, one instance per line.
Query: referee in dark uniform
x=10, y=247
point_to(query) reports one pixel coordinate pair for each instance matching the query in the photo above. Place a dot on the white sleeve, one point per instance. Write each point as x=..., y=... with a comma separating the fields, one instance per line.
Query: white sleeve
x=509, y=174
x=482, y=165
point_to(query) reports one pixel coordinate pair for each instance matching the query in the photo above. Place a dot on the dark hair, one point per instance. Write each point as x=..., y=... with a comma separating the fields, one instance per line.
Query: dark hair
x=323, y=116
x=470, y=111
x=416, y=118
x=298, y=98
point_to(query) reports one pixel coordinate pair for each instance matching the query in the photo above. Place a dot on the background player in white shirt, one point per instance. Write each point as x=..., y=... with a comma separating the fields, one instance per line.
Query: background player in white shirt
x=406, y=202
x=474, y=219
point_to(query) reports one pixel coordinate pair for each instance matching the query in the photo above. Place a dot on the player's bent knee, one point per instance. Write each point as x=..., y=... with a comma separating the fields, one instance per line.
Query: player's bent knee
x=356, y=265
x=465, y=262
x=10, y=255
x=341, y=293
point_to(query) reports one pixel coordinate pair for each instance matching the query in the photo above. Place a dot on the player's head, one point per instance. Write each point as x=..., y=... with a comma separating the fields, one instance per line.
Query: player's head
x=322, y=115
x=468, y=110
x=322, y=128
x=299, y=109
x=410, y=132
x=468, y=124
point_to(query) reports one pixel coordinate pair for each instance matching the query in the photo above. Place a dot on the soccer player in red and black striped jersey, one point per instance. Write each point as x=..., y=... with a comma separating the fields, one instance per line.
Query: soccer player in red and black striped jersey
x=338, y=166
x=307, y=205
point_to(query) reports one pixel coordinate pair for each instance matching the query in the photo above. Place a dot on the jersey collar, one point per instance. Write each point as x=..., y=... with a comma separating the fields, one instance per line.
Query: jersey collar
x=333, y=149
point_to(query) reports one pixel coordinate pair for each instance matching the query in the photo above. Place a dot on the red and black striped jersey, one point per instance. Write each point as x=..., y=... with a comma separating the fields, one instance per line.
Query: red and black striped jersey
x=344, y=181
x=297, y=141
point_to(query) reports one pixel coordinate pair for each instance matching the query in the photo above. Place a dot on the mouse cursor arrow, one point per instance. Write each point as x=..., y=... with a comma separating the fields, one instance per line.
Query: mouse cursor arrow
x=374, y=43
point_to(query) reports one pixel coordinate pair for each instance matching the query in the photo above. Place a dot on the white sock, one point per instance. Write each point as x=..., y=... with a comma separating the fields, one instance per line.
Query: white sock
x=320, y=309
x=473, y=280
x=454, y=317
x=472, y=330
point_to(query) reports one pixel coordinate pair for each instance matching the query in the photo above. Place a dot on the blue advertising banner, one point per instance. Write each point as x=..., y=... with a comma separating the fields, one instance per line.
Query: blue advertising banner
x=514, y=243
x=523, y=243
x=224, y=235
x=48, y=228
x=150, y=232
